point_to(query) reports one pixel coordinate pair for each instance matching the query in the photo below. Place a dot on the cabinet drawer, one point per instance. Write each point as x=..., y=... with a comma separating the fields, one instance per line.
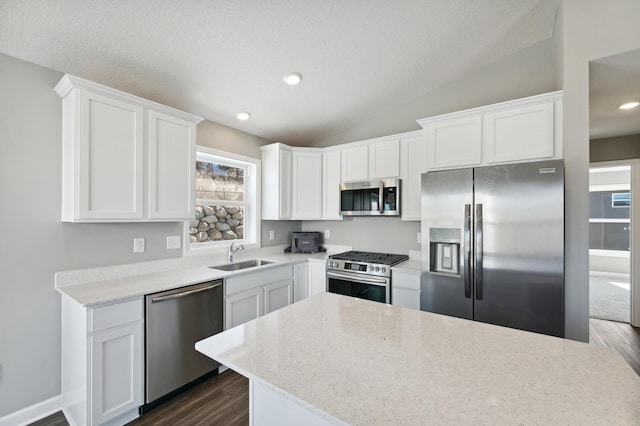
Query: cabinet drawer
x=116, y=314
x=257, y=279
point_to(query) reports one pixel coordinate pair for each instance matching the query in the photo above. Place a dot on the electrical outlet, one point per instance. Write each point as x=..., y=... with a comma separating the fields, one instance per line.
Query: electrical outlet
x=138, y=245
x=327, y=234
x=173, y=242
x=419, y=237
x=272, y=235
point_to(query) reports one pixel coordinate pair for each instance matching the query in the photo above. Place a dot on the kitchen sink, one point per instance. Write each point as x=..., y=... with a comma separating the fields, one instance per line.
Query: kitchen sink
x=242, y=265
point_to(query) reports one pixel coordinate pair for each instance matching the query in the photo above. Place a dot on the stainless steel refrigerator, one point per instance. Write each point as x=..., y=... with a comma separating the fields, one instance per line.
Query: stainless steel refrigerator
x=493, y=245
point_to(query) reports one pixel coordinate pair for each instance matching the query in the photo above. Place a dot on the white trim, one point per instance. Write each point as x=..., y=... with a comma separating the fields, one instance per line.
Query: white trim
x=253, y=187
x=609, y=253
x=612, y=187
x=33, y=413
x=608, y=220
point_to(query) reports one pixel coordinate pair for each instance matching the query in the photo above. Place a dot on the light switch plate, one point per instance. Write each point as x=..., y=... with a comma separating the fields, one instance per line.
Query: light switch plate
x=272, y=235
x=173, y=242
x=138, y=245
x=327, y=234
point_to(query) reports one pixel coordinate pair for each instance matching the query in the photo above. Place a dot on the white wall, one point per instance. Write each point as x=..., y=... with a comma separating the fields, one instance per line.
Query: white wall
x=525, y=73
x=591, y=29
x=381, y=234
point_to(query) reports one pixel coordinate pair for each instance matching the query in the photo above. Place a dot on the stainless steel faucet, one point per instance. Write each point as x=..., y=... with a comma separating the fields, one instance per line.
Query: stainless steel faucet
x=233, y=250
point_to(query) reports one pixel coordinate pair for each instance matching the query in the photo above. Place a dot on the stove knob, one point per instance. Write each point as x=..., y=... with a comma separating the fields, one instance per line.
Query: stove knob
x=377, y=269
x=382, y=270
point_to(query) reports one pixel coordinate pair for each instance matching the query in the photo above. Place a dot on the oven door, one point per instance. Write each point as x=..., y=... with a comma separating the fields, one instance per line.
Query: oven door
x=377, y=289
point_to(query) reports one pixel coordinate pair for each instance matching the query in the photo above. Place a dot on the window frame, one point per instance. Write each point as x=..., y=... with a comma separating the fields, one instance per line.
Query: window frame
x=252, y=202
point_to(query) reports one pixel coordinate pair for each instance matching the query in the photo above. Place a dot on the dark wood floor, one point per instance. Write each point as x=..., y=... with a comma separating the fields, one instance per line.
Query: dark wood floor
x=221, y=400
x=618, y=336
x=224, y=399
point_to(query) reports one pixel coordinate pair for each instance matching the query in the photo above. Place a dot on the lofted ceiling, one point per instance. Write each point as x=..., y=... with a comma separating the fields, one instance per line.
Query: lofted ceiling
x=613, y=81
x=217, y=58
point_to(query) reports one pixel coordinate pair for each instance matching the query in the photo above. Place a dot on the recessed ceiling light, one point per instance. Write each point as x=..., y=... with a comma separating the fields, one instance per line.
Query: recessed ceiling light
x=293, y=78
x=243, y=116
x=629, y=105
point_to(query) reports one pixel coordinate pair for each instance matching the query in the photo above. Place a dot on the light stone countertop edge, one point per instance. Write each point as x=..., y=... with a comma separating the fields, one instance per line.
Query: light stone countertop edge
x=151, y=277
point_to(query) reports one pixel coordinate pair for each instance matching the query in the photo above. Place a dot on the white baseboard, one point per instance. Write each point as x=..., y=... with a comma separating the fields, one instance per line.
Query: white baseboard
x=33, y=413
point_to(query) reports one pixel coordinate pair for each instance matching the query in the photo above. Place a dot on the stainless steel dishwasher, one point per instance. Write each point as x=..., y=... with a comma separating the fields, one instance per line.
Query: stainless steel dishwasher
x=175, y=321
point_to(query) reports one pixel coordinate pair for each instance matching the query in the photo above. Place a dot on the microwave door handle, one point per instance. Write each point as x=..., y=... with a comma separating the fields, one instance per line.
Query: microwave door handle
x=381, y=197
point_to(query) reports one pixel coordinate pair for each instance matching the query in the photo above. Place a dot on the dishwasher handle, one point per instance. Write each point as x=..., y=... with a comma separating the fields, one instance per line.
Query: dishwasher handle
x=183, y=292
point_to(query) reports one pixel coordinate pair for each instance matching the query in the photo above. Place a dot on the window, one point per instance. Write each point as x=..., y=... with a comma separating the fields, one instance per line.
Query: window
x=609, y=209
x=226, y=200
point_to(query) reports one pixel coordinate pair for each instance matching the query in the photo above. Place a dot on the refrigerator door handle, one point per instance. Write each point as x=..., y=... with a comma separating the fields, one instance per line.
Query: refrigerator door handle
x=478, y=269
x=467, y=251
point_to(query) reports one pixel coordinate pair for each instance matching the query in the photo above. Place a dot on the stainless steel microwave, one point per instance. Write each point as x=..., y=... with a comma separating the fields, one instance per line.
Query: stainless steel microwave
x=370, y=198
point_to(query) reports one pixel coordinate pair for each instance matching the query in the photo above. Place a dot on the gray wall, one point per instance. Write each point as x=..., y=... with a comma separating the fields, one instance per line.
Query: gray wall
x=525, y=73
x=36, y=244
x=381, y=234
x=616, y=148
x=617, y=32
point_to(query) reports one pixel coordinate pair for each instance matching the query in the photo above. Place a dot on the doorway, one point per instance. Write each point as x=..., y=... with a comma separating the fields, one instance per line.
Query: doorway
x=610, y=242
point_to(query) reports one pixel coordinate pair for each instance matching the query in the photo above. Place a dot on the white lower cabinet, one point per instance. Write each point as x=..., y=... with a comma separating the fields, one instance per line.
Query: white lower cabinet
x=243, y=307
x=310, y=278
x=102, y=362
x=405, y=289
x=300, y=281
x=317, y=277
x=252, y=295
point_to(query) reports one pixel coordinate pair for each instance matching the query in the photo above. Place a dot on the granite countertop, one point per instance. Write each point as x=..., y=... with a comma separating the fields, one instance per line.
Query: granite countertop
x=359, y=362
x=98, y=286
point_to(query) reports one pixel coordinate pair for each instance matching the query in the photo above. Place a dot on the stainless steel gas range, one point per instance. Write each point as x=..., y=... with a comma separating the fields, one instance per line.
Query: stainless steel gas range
x=362, y=274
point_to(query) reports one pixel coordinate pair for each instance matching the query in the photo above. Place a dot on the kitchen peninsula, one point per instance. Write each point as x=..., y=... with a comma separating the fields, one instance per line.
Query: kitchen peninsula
x=333, y=359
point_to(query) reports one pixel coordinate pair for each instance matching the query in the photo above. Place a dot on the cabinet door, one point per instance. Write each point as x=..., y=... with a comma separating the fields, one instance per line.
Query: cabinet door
x=414, y=163
x=331, y=185
x=285, y=183
x=317, y=278
x=300, y=281
x=116, y=372
x=243, y=307
x=110, y=160
x=384, y=159
x=307, y=185
x=355, y=163
x=278, y=295
x=172, y=156
x=405, y=290
x=519, y=133
x=455, y=142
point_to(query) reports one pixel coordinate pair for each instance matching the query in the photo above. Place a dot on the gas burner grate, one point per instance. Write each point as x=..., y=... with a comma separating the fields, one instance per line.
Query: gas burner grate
x=371, y=257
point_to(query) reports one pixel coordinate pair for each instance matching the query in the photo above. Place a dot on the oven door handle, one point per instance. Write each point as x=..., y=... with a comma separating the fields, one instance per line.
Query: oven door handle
x=357, y=279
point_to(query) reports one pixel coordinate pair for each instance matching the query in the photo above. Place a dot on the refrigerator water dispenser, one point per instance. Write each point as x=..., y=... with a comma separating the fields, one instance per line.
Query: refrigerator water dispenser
x=444, y=247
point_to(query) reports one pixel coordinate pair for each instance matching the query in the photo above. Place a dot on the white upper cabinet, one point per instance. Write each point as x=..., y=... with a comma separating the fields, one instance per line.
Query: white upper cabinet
x=105, y=141
x=413, y=162
x=172, y=146
x=331, y=184
x=384, y=159
x=307, y=184
x=454, y=142
x=527, y=129
x=355, y=163
x=519, y=133
x=276, y=181
x=372, y=159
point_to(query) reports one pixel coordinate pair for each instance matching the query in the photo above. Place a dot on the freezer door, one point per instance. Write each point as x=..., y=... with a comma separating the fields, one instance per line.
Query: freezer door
x=519, y=279
x=447, y=197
